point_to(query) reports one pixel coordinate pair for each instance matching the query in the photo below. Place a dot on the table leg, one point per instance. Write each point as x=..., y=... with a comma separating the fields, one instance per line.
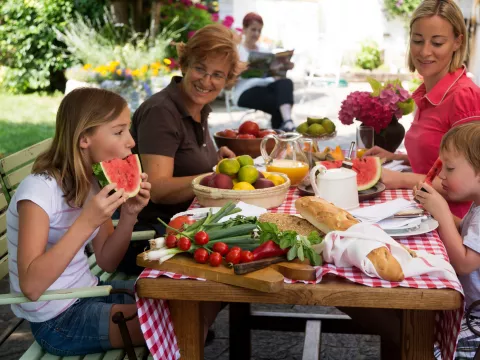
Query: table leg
x=417, y=334
x=188, y=323
x=240, y=339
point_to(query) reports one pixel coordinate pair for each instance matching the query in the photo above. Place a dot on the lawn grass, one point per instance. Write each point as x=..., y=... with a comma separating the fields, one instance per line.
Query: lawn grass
x=26, y=120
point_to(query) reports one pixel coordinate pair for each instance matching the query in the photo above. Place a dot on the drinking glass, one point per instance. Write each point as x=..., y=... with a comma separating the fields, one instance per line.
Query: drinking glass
x=365, y=136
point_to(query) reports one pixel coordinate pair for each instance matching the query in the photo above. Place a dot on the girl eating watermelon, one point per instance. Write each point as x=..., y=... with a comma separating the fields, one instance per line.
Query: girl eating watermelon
x=57, y=210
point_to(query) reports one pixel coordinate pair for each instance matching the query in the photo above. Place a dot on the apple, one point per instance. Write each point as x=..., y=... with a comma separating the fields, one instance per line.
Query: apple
x=263, y=133
x=228, y=133
x=246, y=136
x=249, y=127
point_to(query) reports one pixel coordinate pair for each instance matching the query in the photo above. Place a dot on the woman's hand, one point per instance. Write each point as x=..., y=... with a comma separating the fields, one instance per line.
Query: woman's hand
x=100, y=207
x=134, y=205
x=432, y=201
x=225, y=152
x=390, y=178
x=381, y=153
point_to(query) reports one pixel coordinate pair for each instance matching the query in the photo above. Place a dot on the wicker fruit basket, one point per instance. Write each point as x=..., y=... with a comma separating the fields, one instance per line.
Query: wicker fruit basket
x=267, y=198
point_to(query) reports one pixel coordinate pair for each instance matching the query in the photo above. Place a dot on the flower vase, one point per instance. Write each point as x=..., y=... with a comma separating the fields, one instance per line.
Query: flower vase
x=134, y=92
x=391, y=137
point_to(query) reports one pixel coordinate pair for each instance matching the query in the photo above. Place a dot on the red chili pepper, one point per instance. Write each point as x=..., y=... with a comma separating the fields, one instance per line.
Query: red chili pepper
x=268, y=249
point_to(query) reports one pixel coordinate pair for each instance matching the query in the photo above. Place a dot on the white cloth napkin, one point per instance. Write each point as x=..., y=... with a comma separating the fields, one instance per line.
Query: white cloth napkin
x=400, y=223
x=378, y=212
x=397, y=165
x=351, y=247
x=247, y=210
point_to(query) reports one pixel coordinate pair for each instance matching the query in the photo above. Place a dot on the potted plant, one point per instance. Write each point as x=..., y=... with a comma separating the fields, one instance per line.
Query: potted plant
x=381, y=109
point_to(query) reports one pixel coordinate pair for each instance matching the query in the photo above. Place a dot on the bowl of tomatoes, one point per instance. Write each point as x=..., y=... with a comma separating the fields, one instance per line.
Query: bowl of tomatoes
x=245, y=140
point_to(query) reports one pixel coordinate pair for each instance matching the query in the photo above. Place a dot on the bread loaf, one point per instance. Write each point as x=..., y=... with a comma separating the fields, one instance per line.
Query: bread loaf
x=324, y=215
x=327, y=217
x=288, y=222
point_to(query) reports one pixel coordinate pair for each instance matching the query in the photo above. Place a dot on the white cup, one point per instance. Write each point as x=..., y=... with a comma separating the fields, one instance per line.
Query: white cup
x=338, y=186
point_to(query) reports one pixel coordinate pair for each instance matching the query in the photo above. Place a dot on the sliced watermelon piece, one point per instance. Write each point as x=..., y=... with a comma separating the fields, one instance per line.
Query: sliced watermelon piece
x=124, y=172
x=369, y=170
x=331, y=164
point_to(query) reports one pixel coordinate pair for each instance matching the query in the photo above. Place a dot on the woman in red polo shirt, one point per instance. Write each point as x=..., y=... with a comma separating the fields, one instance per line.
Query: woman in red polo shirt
x=447, y=98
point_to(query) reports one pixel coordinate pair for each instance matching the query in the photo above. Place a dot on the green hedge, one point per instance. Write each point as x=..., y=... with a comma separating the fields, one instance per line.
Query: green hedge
x=28, y=45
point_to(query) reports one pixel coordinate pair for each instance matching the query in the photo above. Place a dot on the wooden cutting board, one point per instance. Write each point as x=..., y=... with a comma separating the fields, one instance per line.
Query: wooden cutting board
x=266, y=280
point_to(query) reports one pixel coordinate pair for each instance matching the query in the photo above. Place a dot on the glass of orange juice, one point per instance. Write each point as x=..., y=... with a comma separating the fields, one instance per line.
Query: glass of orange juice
x=294, y=169
x=365, y=136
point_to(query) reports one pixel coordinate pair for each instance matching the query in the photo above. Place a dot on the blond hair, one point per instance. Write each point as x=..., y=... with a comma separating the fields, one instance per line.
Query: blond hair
x=212, y=40
x=80, y=113
x=450, y=11
x=465, y=140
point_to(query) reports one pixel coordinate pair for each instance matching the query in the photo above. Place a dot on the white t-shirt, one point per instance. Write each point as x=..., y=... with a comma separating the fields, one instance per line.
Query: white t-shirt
x=470, y=227
x=243, y=85
x=45, y=192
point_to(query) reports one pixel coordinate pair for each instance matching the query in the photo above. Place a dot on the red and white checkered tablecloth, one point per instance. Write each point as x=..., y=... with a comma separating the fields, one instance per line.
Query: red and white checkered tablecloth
x=157, y=327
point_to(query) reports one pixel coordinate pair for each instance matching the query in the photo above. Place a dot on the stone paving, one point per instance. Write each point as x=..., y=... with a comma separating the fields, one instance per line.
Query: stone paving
x=266, y=345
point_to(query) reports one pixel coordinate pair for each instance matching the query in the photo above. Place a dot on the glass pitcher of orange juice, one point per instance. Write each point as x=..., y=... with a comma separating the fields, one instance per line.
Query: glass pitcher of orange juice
x=287, y=156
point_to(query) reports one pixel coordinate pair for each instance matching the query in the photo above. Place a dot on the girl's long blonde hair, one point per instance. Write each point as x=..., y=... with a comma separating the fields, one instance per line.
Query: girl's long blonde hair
x=80, y=112
x=450, y=11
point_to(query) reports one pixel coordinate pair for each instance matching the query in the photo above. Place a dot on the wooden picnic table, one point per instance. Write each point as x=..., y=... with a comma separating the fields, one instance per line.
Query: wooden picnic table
x=415, y=308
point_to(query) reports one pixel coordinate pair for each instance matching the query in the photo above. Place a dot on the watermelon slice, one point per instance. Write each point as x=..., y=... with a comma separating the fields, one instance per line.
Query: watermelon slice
x=124, y=172
x=331, y=164
x=368, y=169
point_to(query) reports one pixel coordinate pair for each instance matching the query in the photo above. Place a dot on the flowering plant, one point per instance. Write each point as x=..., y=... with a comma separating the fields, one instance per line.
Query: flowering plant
x=115, y=71
x=377, y=108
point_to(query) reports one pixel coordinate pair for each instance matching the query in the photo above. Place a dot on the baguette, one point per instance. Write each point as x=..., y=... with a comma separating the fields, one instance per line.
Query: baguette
x=324, y=215
x=327, y=217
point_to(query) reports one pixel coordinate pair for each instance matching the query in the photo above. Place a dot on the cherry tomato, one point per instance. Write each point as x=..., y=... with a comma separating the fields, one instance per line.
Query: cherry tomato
x=201, y=238
x=215, y=259
x=184, y=243
x=246, y=256
x=236, y=248
x=178, y=223
x=171, y=241
x=263, y=133
x=201, y=255
x=221, y=248
x=233, y=257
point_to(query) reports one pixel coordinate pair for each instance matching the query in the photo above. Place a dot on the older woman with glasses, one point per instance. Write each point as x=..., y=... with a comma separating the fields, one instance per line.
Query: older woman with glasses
x=170, y=128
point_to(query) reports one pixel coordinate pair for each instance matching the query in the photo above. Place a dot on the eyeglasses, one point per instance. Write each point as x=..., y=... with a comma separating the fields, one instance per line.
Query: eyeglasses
x=215, y=77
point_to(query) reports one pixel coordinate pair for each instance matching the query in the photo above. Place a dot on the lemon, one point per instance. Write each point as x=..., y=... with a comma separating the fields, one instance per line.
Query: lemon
x=276, y=179
x=243, y=186
x=312, y=120
x=228, y=166
x=235, y=182
x=245, y=160
x=248, y=173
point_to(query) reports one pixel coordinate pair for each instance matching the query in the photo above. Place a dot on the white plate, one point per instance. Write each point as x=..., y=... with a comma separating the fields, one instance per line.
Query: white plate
x=197, y=213
x=425, y=227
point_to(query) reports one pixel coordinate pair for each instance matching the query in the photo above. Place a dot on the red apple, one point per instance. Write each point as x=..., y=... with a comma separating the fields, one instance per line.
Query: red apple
x=249, y=127
x=228, y=133
x=263, y=133
x=246, y=136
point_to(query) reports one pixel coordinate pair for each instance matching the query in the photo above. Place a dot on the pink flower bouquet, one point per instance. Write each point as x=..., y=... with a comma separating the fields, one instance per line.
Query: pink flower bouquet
x=377, y=108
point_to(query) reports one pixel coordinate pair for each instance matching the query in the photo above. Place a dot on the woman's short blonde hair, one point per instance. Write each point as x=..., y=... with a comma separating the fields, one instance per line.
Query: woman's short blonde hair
x=464, y=140
x=450, y=11
x=212, y=40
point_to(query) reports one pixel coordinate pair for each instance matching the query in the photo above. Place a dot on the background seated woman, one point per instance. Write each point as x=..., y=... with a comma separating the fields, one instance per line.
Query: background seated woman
x=271, y=95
